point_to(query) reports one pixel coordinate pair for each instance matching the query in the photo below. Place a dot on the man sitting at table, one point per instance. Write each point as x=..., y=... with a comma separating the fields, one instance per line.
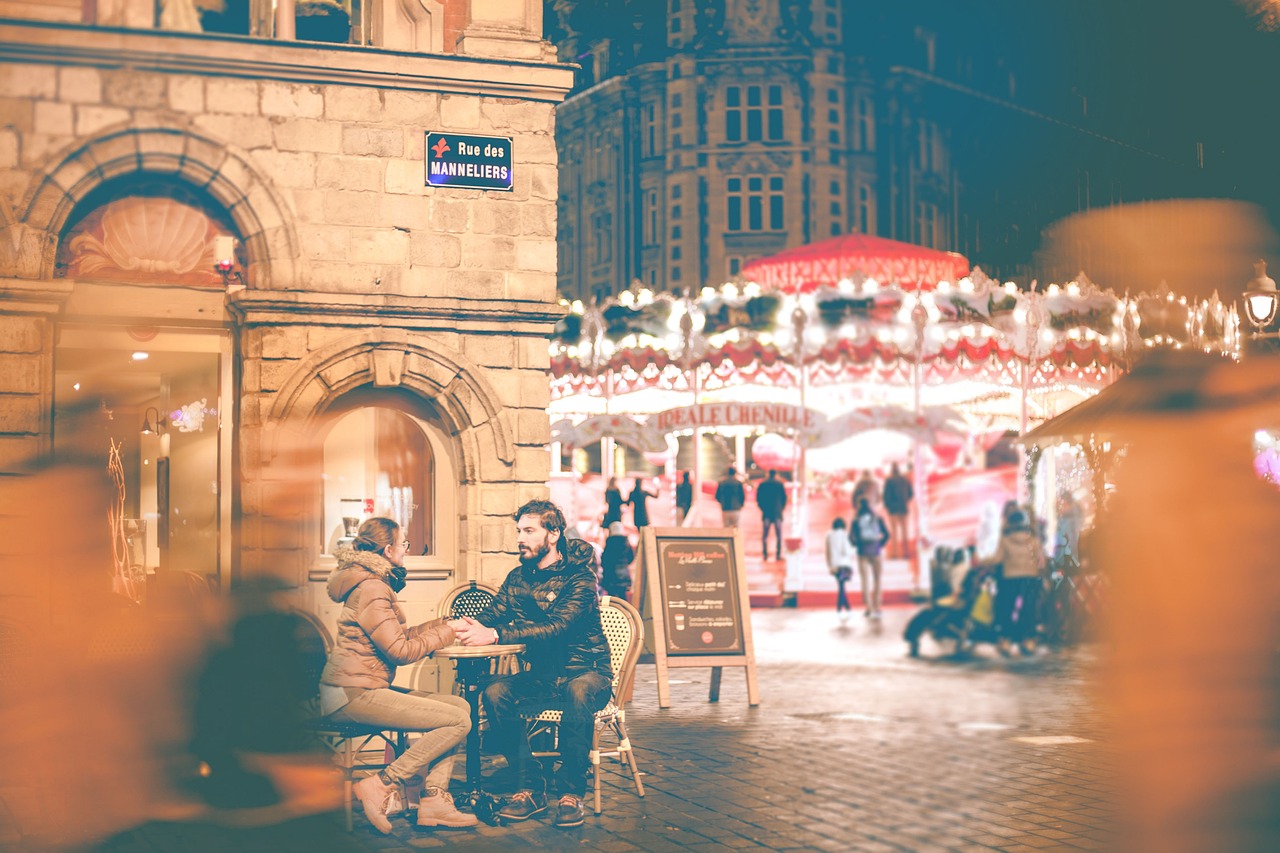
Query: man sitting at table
x=548, y=603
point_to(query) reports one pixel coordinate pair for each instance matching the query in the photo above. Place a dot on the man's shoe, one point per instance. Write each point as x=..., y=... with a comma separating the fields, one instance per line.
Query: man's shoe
x=522, y=806
x=437, y=808
x=570, y=812
x=373, y=795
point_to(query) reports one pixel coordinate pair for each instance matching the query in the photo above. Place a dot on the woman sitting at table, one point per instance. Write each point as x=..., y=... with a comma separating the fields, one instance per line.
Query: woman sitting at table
x=355, y=686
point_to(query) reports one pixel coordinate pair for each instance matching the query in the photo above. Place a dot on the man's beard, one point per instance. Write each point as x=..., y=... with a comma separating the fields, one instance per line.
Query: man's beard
x=536, y=557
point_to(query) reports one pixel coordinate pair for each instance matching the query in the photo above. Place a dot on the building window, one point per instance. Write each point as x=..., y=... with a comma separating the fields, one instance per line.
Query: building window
x=650, y=217
x=835, y=188
x=775, y=113
x=676, y=140
x=833, y=136
x=864, y=131
x=928, y=146
x=650, y=136
x=863, y=216
x=677, y=101
x=835, y=209
x=675, y=273
x=755, y=203
x=677, y=120
x=675, y=25
x=733, y=265
x=833, y=65
x=601, y=245
x=676, y=211
x=676, y=232
x=927, y=223
x=833, y=96
x=833, y=116
x=733, y=114
x=675, y=253
x=677, y=191
x=746, y=111
x=564, y=250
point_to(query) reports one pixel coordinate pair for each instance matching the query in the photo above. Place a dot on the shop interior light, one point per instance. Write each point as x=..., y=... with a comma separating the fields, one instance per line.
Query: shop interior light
x=141, y=356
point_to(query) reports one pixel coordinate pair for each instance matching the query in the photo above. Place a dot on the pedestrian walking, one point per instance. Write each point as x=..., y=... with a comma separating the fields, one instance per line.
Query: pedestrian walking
x=615, y=562
x=866, y=489
x=868, y=536
x=731, y=497
x=840, y=557
x=771, y=496
x=612, y=503
x=898, y=494
x=684, y=498
x=639, y=504
x=1021, y=558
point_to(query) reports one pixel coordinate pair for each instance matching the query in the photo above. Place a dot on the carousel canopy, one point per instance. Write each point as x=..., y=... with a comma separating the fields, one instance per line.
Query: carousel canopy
x=855, y=256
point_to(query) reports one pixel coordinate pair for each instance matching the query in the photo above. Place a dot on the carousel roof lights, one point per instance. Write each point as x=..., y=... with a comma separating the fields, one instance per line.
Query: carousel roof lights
x=1011, y=288
x=626, y=298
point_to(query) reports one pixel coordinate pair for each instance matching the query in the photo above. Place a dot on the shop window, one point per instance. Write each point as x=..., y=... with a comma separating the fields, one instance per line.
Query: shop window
x=386, y=460
x=158, y=397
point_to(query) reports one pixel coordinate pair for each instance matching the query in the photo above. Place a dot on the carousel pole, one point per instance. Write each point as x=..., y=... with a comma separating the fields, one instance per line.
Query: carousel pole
x=1033, y=341
x=691, y=379
x=794, y=580
x=919, y=319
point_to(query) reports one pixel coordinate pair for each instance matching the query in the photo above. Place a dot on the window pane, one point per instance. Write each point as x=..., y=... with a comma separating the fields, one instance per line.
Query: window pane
x=753, y=126
x=775, y=213
x=755, y=213
x=735, y=213
x=735, y=185
x=733, y=97
x=755, y=184
x=775, y=124
x=753, y=96
x=775, y=96
x=775, y=183
x=733, y=126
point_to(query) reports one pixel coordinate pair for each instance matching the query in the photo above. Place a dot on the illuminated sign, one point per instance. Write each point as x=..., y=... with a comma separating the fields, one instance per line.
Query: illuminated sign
x=469, y=162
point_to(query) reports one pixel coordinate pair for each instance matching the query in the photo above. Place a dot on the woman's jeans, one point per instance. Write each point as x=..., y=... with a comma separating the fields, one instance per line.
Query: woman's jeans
x=577, y=698
x=444, y=718
x=1017, y=608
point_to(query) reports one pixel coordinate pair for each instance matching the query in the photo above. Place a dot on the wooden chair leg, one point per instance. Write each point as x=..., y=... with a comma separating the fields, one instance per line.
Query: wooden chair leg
x=595, y=764
x=348, y=767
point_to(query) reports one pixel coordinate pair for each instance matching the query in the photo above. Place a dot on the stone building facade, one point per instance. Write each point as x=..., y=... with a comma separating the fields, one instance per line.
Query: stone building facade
x=727, y=130
x=227, y=241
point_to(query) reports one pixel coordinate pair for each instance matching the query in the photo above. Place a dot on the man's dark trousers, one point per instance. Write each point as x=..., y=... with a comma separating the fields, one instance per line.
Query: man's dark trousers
x=577, y=697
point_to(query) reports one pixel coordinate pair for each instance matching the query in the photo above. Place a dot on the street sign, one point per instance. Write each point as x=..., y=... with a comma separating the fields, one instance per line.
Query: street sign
x=466, y=161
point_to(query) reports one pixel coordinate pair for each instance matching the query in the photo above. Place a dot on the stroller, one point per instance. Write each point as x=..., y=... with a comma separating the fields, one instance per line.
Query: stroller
x=961, y=603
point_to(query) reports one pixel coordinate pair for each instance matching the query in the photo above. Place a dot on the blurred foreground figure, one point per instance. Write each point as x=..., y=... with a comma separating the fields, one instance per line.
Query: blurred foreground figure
x=180, y=711
x=1188, y=543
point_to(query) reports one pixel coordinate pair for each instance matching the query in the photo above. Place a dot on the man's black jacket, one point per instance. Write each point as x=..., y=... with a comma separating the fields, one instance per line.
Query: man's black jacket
x=555, y=613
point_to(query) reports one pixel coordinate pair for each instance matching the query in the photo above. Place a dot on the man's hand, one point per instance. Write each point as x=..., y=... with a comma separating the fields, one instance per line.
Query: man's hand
x=472, y=633
x=457, y=624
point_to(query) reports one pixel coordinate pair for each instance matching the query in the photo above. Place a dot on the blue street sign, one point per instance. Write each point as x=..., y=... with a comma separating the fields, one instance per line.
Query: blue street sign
x=469, y=162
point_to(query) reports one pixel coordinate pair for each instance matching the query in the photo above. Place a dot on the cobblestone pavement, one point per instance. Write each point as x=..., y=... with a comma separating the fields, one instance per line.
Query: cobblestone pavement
x=854, y=747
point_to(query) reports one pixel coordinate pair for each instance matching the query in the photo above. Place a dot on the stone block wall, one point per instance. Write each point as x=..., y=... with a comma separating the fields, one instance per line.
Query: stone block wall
x=358, y=275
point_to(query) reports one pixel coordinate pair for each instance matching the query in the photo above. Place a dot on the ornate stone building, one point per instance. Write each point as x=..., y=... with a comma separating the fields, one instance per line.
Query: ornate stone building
x=727, y=130
x=221, y=247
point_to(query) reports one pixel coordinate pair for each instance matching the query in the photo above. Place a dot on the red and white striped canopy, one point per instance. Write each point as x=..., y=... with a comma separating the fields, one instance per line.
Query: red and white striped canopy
x=854, y=256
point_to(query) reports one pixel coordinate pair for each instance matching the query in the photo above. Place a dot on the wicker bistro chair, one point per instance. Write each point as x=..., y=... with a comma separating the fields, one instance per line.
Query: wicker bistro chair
x=468, y=599
x=624, y=631
x=356, y=749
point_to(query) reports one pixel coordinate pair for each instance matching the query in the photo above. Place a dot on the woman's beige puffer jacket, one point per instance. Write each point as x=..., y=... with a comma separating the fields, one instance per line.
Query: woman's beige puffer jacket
x=372, y=637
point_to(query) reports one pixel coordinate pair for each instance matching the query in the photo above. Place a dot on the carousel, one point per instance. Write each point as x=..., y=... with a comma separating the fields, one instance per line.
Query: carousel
x=849, y=355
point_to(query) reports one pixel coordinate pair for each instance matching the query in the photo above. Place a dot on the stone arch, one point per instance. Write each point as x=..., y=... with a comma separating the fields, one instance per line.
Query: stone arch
x=467, y=402
x=223, y=170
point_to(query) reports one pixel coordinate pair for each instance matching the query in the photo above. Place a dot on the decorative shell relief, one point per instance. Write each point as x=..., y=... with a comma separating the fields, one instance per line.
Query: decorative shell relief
x=146, y=239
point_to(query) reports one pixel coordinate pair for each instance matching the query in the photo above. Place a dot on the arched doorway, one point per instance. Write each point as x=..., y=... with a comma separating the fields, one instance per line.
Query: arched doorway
x=143, y=344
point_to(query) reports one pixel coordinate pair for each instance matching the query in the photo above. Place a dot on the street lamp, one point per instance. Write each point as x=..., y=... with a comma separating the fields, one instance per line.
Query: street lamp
x=1260, y=299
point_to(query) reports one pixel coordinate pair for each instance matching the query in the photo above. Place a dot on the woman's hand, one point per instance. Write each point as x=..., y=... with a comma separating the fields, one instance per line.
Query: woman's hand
x=472, y=633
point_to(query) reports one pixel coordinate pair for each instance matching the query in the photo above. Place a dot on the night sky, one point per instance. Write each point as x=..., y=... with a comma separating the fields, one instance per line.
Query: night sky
x=1111, y=101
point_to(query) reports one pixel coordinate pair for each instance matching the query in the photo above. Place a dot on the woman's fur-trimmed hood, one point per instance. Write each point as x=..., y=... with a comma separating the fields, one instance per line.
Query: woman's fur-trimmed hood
x=355, y=567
